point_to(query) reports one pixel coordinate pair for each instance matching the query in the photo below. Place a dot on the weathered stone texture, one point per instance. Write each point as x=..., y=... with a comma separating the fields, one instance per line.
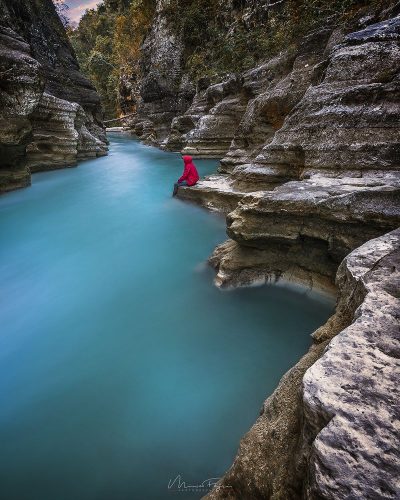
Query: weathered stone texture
x=50, y=114
x=20, y=92
x=351, y=394
x=60, y=135
x=312, y=174
x=331, y=428
x=164, y=91
x=215, y=114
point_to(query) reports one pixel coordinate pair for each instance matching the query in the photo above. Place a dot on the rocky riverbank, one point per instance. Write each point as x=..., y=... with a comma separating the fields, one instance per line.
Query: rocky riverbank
x=50, y=114
x=310, y=182
x=330, y=429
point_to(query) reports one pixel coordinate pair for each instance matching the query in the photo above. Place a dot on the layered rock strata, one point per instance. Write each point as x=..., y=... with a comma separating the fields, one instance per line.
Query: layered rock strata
x=208, y=126
x=21, y=89
x=165, y=92
x=328, y=177
x=350, y=87
x=239, y=115
x=310, y=180
x=50, y=114
x=61, y=135
x=163, y=89
x=331, y=428
x=310, y=225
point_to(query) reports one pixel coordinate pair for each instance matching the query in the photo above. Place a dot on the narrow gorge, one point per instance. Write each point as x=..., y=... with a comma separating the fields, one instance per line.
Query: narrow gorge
x=300, y=104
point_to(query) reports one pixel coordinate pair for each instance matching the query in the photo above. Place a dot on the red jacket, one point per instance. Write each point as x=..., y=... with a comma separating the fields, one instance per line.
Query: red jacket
x=190, y=174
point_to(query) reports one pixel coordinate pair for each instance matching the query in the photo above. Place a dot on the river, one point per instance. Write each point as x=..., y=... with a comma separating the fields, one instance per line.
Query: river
x=121, y=366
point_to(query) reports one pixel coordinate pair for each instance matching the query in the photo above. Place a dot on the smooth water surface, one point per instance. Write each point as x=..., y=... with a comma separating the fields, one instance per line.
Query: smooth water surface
x=121, y=365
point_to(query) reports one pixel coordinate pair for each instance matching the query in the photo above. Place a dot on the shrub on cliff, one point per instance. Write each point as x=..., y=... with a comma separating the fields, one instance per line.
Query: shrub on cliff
x=219, y=36
x=107, y=43
x=224, y=36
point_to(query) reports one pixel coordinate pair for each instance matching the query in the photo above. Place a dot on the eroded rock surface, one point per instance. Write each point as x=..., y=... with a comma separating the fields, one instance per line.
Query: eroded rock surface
x=50, y=114
x=312, y=177
x=21, y=90
x=351, y=394
x=350, y=85
x=327, y=178
x=164, y=90
x=331, y=428
x=213, y=118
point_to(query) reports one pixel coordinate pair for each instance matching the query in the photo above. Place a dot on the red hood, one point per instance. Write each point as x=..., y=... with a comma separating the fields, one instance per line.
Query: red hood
x=190, y=174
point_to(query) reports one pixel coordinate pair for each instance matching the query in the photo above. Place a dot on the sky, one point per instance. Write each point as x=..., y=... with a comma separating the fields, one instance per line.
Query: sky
x=77, y=8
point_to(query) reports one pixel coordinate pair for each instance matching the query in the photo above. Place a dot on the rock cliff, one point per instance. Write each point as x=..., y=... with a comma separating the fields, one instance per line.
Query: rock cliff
x=171, y=102
x=310, y=181
x=330, y=430
x=313, y=167
x=50, y=114
x=165, y=92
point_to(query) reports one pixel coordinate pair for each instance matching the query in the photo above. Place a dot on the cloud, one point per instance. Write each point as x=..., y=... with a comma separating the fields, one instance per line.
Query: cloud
x=78, y=8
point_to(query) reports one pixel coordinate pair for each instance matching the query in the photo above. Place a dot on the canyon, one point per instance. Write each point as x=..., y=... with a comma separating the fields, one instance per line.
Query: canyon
x=309, y=180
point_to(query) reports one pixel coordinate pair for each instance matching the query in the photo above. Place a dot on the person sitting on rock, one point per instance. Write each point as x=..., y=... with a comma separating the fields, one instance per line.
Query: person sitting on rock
x=190, y=175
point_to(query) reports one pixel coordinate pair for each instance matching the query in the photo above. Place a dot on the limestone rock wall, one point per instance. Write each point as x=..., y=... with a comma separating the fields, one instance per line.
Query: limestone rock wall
x=310, y=181
x=20, y=93
x=355, y=91
x=164, y=90
x=60, y=135
x=174, y=111
x=350, y=395
x=348, y=83
x=50, y=114
x=213, y=116
x=330, y=430
x=243, y=112
x=328, y=174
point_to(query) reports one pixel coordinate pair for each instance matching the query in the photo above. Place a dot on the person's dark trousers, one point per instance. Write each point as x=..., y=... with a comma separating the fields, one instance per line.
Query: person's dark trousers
x=176, y=185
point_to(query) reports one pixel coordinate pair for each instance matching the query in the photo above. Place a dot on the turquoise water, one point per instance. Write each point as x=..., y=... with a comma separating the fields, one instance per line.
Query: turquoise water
x=121, y=365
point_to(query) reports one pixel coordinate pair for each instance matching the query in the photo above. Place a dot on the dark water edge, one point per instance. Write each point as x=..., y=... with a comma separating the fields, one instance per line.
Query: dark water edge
x=121, y=365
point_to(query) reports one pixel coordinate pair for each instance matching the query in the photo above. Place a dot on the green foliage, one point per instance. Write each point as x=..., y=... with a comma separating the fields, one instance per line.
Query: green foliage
x=107, y=41
x=217, y=36
x=219, y=41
